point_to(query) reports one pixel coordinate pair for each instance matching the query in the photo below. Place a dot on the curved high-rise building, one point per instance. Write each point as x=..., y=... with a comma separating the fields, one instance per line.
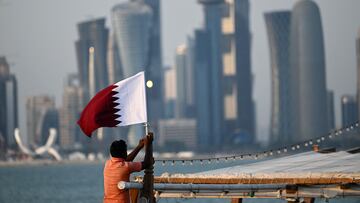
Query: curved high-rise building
x=132, y=23
x=307, y=75
x=278, y=29
x=136, y=27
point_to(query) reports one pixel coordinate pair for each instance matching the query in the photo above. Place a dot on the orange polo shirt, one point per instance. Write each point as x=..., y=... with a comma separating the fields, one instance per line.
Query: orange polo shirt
x=116, y=170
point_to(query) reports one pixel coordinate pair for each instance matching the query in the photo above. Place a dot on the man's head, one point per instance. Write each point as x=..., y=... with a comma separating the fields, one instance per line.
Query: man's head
x=118, y=149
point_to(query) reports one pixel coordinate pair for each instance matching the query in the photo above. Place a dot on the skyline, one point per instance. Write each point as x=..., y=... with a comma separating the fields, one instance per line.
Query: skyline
x=26, y=51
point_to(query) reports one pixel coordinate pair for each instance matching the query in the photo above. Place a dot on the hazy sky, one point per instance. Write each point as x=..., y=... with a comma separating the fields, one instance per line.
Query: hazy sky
x=37, y=37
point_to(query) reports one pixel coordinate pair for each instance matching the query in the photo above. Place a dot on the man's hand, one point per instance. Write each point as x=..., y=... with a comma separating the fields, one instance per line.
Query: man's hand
x=137, y=149
x=150, y=137
x=142, y=142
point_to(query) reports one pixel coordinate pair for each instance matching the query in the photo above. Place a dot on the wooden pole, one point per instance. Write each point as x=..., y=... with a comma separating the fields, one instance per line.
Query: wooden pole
x=147, y=193
x=236, y=200
x=309, y=200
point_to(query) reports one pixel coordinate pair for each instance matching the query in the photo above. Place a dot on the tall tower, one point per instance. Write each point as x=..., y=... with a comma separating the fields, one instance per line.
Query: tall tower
x=184, y=80
x=213, y=10
x=231, y=108
x=245, y=103
x=69, y=113
x=155, y=71
x=190, y=75
x=132, y=23
x=93, y=41
x=181, y=69
x=137, y=34
x=358, y=71
x=169, y=92
x=203, y=91
x=278, y=29
x=229, y=72
x=307, y=75
x=8, y=107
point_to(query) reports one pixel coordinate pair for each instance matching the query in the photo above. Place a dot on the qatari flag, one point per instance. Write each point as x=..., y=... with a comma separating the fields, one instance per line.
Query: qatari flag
x=120, y=104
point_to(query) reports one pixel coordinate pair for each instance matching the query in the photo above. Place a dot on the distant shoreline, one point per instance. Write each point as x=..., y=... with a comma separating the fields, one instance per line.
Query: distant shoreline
x=47, y=162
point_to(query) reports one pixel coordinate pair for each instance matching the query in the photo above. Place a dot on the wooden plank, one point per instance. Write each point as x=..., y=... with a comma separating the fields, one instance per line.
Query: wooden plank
x=254, y=180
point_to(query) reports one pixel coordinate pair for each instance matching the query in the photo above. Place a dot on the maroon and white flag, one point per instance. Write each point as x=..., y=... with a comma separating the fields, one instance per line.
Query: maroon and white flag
x=120, y=104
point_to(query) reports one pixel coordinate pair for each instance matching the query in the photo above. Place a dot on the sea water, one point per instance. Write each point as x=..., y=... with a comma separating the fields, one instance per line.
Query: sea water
x=83, y=183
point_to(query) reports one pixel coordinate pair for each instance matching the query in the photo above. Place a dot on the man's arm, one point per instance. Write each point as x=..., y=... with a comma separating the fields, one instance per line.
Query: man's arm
x=148, y=159
x=137, y=149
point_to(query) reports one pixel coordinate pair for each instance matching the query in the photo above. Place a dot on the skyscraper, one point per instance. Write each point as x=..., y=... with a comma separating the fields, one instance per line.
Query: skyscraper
x=358, y=71
x=190, y=75
x=155, y=72
x=307, y=75
x=92, y=55
x=137, y=34
x=69, y=113
x=349, y=111
x=210, y=130
x=8, y=107
x=229, y=71
x=203, y=90
x=278, y=29
x=244, y=78
x=170, y=92
x=184, y=80
x=91, y=49
x=231, y=107
x=41, y=115
x=132, y=23
x=180, y=67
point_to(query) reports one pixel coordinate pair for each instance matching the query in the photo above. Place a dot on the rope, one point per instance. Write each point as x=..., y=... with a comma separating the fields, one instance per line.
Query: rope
x=261, y=155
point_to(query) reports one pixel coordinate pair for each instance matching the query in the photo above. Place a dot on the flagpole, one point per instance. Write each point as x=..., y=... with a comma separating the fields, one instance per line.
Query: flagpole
x=146, y=128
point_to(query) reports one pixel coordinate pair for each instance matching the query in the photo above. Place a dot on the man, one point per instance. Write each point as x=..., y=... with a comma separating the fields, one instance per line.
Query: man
x=120, y=166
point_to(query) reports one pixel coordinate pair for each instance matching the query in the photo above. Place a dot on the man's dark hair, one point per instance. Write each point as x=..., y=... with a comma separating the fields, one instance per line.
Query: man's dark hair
x=118, y=149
